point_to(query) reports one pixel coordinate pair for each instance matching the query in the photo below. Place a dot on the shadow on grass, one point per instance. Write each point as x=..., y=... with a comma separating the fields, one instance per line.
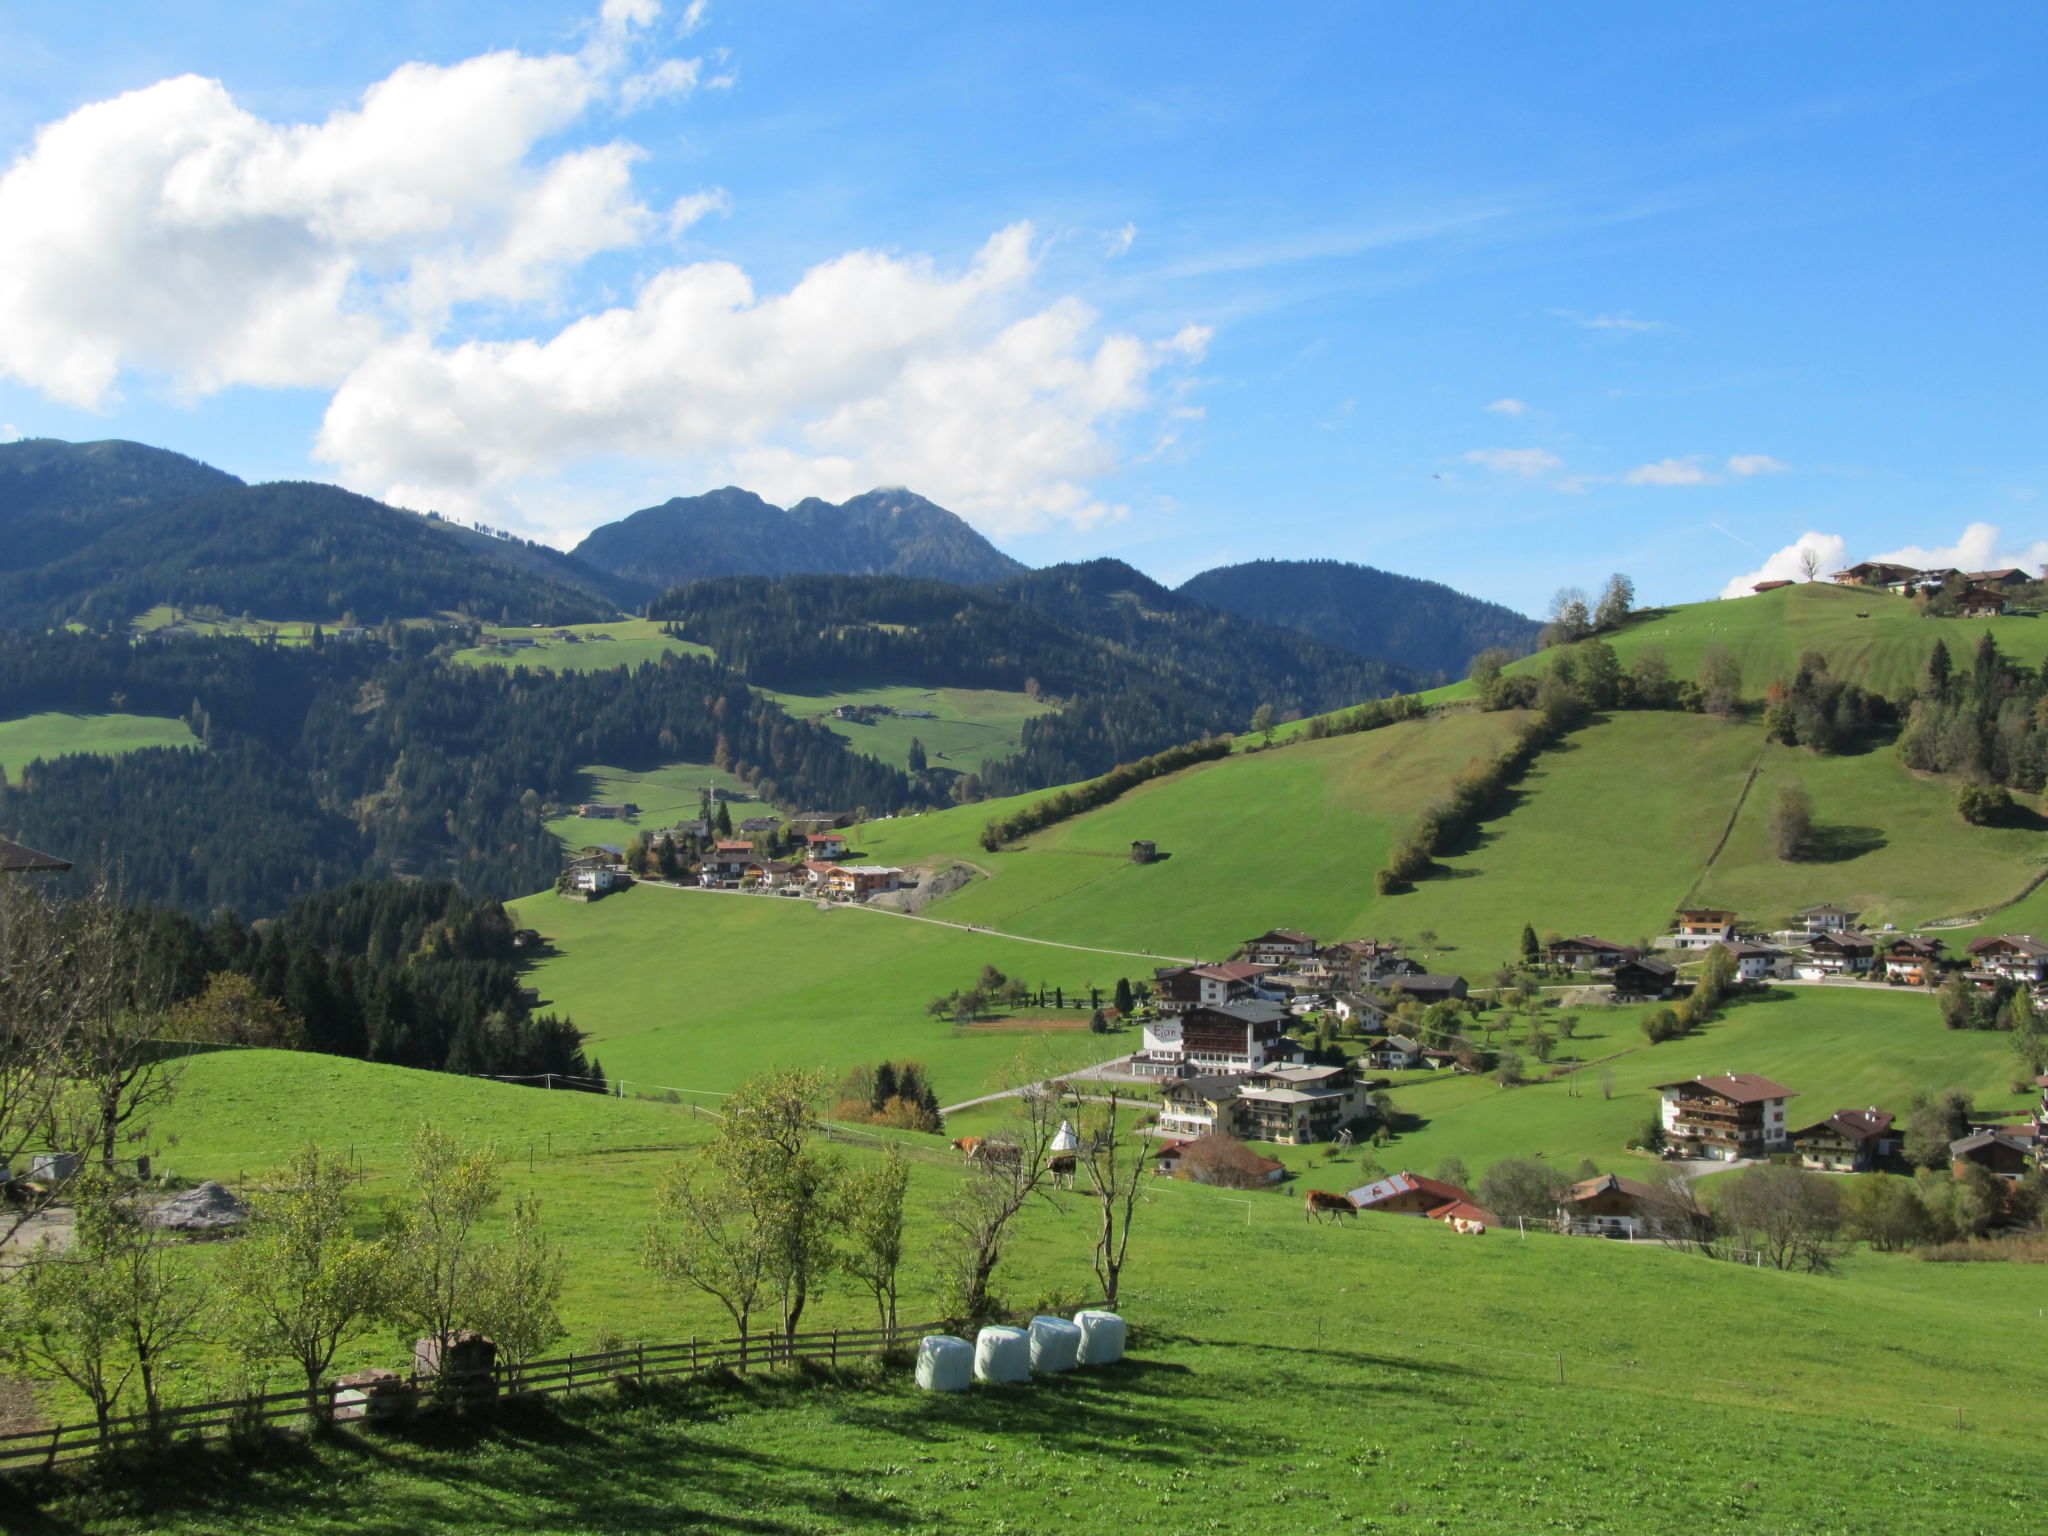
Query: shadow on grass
x=1839, y=844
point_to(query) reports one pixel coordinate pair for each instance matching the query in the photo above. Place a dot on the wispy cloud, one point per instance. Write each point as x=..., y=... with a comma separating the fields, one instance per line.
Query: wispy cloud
x=1122, y=240
x=1509, y=407
x=1329, y=244
x=1686, y=471
x=1528, y=463
x=1745, y=464
x=1625, y=323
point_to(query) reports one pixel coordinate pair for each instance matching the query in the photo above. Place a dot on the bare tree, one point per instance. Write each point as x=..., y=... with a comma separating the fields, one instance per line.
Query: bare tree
x=1809, y=562
x=1114, y=1157
x=1672, y=1212
x=32, y=1015
x=1790, y=1217
x=1008, y=1172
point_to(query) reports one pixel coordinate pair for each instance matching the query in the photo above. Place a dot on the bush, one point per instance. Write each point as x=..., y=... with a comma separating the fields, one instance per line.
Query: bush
x=1984, y=805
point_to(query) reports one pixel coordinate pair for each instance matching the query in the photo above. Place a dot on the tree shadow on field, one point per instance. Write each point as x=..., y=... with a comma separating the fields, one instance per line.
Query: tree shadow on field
x=1838, y=844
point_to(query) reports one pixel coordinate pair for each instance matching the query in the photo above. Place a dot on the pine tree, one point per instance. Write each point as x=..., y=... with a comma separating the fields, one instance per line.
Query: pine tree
x=1123, y=996
x=724, y=821
x=885, y=1088
x=917, y=757
x=1532, y=952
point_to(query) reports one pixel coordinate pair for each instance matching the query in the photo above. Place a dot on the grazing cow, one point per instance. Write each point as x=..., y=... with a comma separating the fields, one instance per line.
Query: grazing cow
x=1062, y=1169
x=967, y=1146
x=1470, y=1228
x=1321, y=1201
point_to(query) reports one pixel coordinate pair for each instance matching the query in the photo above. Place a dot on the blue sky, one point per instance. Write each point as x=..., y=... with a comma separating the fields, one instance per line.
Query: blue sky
x=1505, y=295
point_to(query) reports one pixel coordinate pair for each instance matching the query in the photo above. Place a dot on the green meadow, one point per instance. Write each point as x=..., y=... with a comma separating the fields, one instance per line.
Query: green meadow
x=666, y=794
x=56, y=735
x=596, y=648
x=974, y=725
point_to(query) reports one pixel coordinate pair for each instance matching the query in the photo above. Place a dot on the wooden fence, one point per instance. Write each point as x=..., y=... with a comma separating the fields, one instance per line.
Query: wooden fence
x=189, y=1422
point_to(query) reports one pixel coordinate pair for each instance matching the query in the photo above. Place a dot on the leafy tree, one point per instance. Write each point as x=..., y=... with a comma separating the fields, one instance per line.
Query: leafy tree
x=1520, y=1189
x=1452, y=1171
x=430, y=1234
x=1720, y=680
x=1790, y=1216
x=871, y=1203
x=1791, y=820
x=300, y=1282
x=1617, y=602
x=1931, y=1124
x=1884, y=1212
x=1262, y=722
x=975, y=1223
x=518, y=1288
x=231, y=1011
x=1650, y=681
x=1957, y=1001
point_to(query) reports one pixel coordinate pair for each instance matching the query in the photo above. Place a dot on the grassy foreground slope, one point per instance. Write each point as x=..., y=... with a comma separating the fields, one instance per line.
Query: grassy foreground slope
x=54, y=735
x=1390, y=1375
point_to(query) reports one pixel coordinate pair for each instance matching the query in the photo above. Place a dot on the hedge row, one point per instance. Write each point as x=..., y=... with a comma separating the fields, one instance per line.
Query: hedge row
x=1041, y=814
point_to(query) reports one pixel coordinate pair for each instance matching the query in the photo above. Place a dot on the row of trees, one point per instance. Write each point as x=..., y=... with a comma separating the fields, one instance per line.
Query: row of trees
x=123, y=1311
x=1055, y=808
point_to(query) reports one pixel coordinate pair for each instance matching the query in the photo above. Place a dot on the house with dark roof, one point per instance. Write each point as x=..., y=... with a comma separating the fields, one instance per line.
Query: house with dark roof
x=1975, y=602
x=1427, y=989
x=1644, y=977
x=1755, y=962
x=1914, y=960
x=17, y=860
x=1278, y=946
x=2014, y=956
x=1233, y=1038
x=1875, y=573
x=2003, y=1153
x=1836, y=954
x=1848, y=1141
x=1177, y=988
x=2011, y=576
x=1396, y=1053
x=1586, y=953
x=1735, y=1115
x=1825, y=919
x=1198, y=1106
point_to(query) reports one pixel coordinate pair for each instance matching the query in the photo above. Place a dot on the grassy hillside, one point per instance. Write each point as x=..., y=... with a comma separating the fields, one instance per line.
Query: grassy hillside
x=665, y=795
x=700, y=989
x=974, y=725
x=597, y=647
x=53, y=735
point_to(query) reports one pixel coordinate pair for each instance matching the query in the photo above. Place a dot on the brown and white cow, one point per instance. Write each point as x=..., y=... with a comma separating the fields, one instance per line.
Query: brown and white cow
x=1321, y=1202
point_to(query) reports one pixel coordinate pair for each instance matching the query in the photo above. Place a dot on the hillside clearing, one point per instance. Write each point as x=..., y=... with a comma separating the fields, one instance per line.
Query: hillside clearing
x=46, y=736
x=974, y=725
x=596, y=648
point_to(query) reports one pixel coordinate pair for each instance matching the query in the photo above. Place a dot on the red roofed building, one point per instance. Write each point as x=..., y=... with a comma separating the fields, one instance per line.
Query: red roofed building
x=1848, y=1141
x=1279, y=946
x=1408, y=1194
x=1179, y=988
x=826, y=845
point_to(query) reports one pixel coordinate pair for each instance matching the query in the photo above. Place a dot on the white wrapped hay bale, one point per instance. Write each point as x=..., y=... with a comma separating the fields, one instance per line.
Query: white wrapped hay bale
x=944, y=1363
x=1102, y=1337
x=1055, y=1344
x=1002, y=1354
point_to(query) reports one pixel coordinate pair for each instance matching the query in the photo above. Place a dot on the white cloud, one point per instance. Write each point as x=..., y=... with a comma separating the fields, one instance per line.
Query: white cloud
x=1526, y=462
x=170, y=232
x=1981, y=548
x=871, y=370
x=1509, y=407
x=1686, y=471
x=1745, y=464
x=1830, y=553
x=1122, y=240
x=172, y=235
x=1626, y=323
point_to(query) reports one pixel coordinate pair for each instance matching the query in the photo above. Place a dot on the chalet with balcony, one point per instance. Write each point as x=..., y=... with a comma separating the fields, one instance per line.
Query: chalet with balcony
x=2003, y=1153
x=1168, y=1159
x=1755, y=962
x=1825, y=919
x=1876, y=573
x=1175, y=989
x=1199, y=1106
x=1644, y=977
x=593, y=880
x=1396, y=1053
x=1278, y=947
x=2011, y=576
x=1736, y=1115
x=1975, y=602
x=1608, y=1206
x=1222, y=1038
x=826, y=845
x=1914, y=960
x=2013, y=956
x=857, y=882
x=1355, y=964
x=1586, y=953
x=1298, y=1105
x=1407, y=1194
x=1367, y=1010
x=758, y=824
x=725, y=866
x=1836, y=954
x=1848, y=1141
x=1700, y=927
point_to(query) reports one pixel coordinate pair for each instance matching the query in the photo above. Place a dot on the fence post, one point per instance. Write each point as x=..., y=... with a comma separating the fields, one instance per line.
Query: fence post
x=642, y=1361
x=835, y=1349
x=693, y=1354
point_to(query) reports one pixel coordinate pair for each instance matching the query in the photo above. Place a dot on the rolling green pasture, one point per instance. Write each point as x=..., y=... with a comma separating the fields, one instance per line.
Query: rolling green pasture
x=702, y=989
x=625, y=643
x=665, y=795
x=975, y=725
x=164, y=616
x=55, y=735
x=1404, y=1377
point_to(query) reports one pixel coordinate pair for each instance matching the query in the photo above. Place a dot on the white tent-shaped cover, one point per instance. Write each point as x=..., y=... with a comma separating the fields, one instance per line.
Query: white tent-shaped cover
x=1065, y=1140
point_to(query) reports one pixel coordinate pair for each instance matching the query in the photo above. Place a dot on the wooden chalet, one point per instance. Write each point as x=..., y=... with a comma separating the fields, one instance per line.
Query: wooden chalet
x=1277, y=947
x=1836, y=954
x=1699, y=927
x=1913, y=960
x=2014, y=956
x=1427, y=989
x=1355, y=964
x=1644, y=977
x=760, y=824
x=2011, y=576
x=2004, y=1154
x=1735, y=1115
x=1198, y=1106
x=1975, y=602
x=1875, y=573
x=1177, y=988
x=1754, y=962
x=825, y=845
x=1407, y=1194
x=1848, y=1141
x=1213, y=1038
x=17, y=860
x=1396, y=1053
x=1464, y=1210
x=1297, y=1105
x=1168, y=1159
x=857, y=882
x=1825, y=919
x=1586, y=953
x=1144, y=851
x=1607, y=1206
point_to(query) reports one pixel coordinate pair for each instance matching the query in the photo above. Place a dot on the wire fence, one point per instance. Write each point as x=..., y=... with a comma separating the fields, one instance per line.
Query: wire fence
x=396, y=1396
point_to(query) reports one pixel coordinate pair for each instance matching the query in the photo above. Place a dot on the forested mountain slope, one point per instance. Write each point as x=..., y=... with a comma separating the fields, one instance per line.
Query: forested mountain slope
x=56, y=496
x=1422, y=625
x=733, y=532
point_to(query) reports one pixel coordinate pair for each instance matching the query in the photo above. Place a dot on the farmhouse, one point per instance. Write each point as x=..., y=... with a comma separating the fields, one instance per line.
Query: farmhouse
x=1407, y=1194
x=2014, y=956
x=1169, y=1158
x=1825, y=919
x=1608, y=1206
x=2011, y=576
x=1699, y=927
x=1586, y=953
x=1736, y=1115
x=1975, y=602
x=857, y=882
x=1144, y=851
x=1644, y=977
x=1913, y=959
x=17, y=860
x=608, y=812
x=1848, y=1141
x=1178, y=988
x=1278, y=946
x=1363, y=1008
x=1426, y=989
x=1836, y=954
x=594, y=881
x=826, y=845
x=755, y=824
x=1754, y=962
x=1875, y=573
x=2005, y=1155
x=1354, y=964
x=1396, y=1053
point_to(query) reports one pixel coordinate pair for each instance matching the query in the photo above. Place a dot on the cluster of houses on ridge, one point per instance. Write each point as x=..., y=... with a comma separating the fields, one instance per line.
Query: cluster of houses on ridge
x=1825, y=943
x=1976, y=594
x=739, y=864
